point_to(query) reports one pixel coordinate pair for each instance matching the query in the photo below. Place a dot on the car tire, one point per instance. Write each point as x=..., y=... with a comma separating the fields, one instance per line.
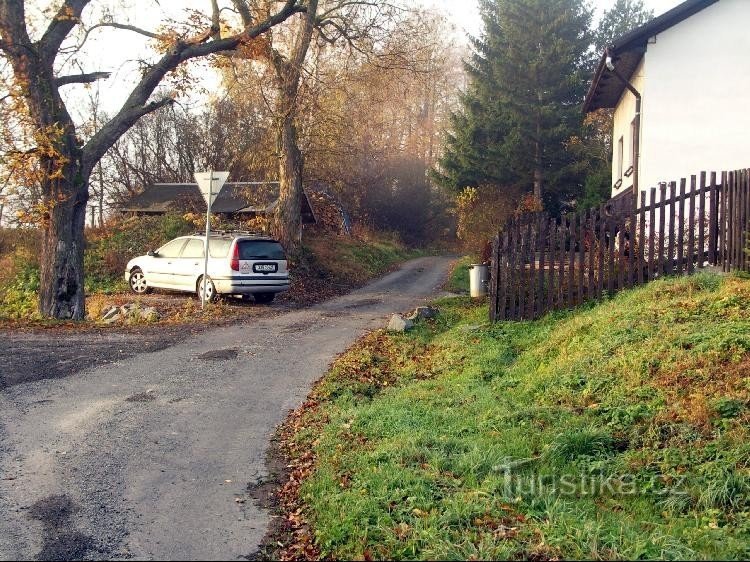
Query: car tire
x=137, y=282
x=211, y=295
x=264, y=298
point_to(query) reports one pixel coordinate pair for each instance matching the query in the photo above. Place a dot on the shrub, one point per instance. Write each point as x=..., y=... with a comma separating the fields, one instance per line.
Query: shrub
x=481, y=213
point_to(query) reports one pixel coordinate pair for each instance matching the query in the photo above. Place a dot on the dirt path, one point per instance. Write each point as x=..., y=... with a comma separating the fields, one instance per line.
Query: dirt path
x=151, y=456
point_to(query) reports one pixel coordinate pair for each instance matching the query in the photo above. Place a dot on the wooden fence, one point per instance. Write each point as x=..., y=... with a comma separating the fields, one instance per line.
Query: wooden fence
x=540, y=263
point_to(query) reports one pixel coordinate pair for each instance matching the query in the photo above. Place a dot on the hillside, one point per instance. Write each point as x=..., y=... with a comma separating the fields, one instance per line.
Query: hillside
x=616, y=431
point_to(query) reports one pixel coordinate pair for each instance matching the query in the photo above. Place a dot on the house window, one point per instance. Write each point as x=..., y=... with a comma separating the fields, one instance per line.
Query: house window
x=620, y=157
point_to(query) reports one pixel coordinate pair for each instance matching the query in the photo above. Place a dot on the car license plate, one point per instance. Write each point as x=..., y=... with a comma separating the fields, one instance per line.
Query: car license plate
x=265, y=268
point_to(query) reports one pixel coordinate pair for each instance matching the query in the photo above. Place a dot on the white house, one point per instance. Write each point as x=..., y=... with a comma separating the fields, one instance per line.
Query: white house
x=691, y=68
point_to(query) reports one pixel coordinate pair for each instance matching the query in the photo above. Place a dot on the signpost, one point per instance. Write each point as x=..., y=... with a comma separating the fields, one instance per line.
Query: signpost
x=210, y=184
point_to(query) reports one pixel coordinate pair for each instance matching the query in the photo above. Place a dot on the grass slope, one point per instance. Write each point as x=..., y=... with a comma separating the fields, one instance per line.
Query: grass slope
x=616, y=431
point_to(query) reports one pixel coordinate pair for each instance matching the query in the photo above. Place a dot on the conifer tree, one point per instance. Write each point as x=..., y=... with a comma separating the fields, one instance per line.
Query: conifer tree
x=529, y=72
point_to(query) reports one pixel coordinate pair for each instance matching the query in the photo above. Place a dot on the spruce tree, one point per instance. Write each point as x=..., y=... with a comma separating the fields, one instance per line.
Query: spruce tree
x=624, y=16
x=529, y=74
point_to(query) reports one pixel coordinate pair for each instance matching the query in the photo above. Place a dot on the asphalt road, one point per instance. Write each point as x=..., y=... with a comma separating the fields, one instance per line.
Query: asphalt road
x=150, y=457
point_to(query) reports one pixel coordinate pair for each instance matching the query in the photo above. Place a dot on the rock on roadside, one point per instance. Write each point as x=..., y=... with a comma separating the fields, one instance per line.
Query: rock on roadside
x=131, y=311
x=399, y=324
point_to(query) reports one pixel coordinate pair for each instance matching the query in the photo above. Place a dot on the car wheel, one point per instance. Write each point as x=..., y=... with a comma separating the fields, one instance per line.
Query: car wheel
x=264, y=298
x=211, y=295
x=138, y=282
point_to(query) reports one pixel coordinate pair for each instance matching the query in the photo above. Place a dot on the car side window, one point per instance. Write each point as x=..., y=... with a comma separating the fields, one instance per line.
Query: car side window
x=171, y=249
x=218, y=248
x=193, y=249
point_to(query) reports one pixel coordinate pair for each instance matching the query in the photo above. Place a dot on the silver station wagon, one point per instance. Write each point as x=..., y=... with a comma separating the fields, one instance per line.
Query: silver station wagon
x=240, y=264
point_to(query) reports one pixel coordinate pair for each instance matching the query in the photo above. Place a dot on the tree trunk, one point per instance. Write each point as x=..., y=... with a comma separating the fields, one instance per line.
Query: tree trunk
x=61, y=290
x=288, y=221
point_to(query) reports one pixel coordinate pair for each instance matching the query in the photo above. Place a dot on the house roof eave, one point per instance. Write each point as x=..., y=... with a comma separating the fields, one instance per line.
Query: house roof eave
x=628, y=50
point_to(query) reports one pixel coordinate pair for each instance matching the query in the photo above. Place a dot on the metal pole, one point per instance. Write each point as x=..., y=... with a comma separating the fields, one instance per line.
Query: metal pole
x=208, y=233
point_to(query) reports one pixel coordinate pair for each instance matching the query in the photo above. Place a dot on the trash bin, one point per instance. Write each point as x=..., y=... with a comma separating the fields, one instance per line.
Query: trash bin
x=479, y=277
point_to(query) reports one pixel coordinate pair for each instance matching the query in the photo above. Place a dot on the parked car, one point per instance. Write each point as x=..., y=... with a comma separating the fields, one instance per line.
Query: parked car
x=240, y=264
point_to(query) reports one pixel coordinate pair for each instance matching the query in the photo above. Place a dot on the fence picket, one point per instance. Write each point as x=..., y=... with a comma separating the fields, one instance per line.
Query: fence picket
x=601, y=241
x=571, y=260
x=503, y=278
x=671, y=248
x=610, y=256
x=631, y=246
x=691, y=227
x=701, y=222
x=590, y=240
x=723, y=222
x=681, y=229
x=661, y=267
x=652, y=235
x=552, y=229
x=561, y=269
x=712, y=221
x=642, y=238
x=620, y=255
x=582, y=218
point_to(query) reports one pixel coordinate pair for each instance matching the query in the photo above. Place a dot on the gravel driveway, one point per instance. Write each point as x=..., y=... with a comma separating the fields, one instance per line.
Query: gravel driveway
x=151, y=456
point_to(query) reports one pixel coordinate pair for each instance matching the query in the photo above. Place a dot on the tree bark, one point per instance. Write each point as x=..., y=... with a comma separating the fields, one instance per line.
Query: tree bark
x=287, y=219
x=61, y=292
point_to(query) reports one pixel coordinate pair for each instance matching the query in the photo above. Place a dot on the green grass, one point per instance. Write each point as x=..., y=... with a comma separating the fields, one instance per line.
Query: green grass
x=355, y=260
x=458, y=281
x=617, y=431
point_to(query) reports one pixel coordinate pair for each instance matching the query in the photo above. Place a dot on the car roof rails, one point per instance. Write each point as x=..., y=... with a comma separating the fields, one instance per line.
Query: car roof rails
x=230, y=232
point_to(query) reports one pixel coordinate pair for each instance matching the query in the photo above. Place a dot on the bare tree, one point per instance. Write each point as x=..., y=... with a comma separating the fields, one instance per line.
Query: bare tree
x=352, y=22
x=62, y=162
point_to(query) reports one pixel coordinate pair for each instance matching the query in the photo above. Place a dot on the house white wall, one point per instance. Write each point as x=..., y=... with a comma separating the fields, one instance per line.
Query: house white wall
x=695, y=83
x=623, y=119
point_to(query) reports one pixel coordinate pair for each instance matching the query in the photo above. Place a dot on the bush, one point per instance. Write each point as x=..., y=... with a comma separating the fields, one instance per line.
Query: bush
x=109, y=249
x=482, y=211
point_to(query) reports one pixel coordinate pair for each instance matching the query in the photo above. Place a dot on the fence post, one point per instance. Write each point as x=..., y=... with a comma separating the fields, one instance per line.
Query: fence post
x=681, y=229
x=713, y=221
x=662, y=266
x=495, y=282
x=542, y=245
x=691, y=227
x=702, y=222
x=723, y=222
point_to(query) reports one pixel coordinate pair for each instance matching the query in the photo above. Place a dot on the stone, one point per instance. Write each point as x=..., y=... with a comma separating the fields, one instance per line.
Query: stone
x=423, y=312
x=110, y=312
x=149, y=313
x=399, y=324
x=113, y=318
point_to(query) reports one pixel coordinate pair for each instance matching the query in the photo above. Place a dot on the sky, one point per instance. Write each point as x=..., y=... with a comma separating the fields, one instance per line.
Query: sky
x=466, y=13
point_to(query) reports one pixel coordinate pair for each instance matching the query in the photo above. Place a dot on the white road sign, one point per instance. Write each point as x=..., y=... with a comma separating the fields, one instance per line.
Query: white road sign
x=210, y=184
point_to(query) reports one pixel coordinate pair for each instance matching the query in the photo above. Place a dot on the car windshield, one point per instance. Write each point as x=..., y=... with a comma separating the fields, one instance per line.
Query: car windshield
x=260, y=250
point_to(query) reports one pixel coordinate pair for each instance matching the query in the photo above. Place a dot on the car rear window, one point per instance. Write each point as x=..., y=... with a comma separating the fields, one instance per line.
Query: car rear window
x=260, y=250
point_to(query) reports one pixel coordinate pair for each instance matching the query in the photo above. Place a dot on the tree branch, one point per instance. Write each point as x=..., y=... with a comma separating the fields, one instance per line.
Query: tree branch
x=136, y=105
x=244, y=11
x=85, y=78
x=66, y=18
